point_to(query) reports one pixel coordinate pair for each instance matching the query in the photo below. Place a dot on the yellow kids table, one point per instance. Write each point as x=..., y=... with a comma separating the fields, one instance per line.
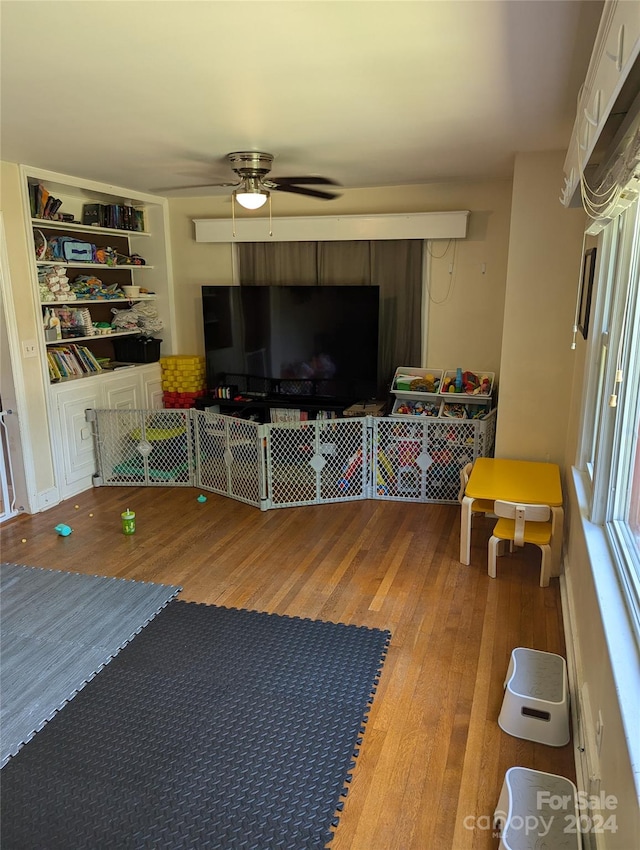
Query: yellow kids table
x=523, y=481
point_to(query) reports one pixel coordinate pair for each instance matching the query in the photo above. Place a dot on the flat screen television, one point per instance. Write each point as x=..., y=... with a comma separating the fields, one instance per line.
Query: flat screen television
x=293, y=341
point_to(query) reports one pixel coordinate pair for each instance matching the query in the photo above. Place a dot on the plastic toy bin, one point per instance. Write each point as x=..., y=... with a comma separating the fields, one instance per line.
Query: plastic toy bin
x=405, y=376
x=410, y=408
x=452, y=373
x=137, y=349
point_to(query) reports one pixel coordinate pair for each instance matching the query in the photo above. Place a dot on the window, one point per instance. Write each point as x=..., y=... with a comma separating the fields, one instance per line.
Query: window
x=611, y=436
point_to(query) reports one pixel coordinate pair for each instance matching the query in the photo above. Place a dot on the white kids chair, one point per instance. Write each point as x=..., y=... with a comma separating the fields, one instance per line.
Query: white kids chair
x=478, y=506
x=522, y=524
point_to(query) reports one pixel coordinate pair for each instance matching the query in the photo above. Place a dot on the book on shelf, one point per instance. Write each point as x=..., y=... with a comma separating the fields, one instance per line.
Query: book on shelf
x=83, y=360
x=50, y=207
x=89, y=358
x=58, y=363
x=44, y=199
x=42, y=204
x=54, y=370
x=138, y=216
x=93, y=214
x=115, y=216
x=71, y=364
x=71, y=360
x=34, y=200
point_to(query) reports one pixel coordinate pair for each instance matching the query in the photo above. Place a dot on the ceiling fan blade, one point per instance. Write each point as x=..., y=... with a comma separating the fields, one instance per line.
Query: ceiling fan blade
x=311, y=193
x=196, y=186
x=305, y=181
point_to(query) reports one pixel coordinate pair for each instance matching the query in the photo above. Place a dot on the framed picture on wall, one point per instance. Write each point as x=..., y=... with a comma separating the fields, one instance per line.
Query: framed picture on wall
x=586, y=289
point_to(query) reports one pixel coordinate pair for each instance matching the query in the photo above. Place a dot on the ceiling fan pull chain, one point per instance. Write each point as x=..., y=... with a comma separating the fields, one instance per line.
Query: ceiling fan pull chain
x=270, y=219
x=233, y=214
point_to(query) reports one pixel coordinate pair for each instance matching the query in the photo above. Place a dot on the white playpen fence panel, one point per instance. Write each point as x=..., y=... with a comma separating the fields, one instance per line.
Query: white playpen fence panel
x=420, y=459
x=230, y=457
x=143, y=447
x=316, y=462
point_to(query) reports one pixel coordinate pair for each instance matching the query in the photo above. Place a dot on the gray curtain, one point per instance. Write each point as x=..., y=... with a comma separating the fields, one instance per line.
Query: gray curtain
x=394, y=265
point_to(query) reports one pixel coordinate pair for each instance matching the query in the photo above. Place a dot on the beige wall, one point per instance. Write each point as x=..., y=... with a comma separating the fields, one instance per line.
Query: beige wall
x=28, y=371
x=465, y=309
x=536, y=368
x=194, y=265
x=466, y=305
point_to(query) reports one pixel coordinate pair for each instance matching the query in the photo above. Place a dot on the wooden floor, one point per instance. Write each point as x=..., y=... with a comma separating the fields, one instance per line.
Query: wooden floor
x=433, y=758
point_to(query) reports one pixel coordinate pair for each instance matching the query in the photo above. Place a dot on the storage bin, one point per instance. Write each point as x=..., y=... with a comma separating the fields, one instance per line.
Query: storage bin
x=411, y=408
x=183, y=373
x=137, y=349
x=458, y=408
x=451, y=374
x=406, y=375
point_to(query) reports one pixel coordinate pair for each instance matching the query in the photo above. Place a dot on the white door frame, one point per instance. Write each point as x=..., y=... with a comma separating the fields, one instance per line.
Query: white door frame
x=24, y=477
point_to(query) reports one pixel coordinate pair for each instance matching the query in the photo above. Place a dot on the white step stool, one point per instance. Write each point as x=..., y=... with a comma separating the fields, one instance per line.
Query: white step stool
x=536, y=698
x=537, y=810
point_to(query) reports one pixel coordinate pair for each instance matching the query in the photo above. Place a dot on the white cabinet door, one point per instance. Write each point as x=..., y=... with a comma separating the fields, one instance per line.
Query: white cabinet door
x=126, y=389
x=123, y=390
x=75, y=448
x=152, y=387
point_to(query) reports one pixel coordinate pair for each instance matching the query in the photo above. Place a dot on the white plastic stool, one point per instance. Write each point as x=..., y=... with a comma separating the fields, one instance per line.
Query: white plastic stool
x=536, y=698
x=537, y=810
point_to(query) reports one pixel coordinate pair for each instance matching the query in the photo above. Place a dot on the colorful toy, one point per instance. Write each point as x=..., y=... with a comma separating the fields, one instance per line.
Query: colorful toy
x=408, y=451
x=386, y=465
x=454, y=411
x=485, y=385
x=63, y=530
x=184, y=380
x=467, y=382
x=201, y=498
x=381, y=484
x=353, y=464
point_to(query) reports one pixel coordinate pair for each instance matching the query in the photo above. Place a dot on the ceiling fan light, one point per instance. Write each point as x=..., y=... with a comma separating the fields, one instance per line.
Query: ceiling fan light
x=251, y=199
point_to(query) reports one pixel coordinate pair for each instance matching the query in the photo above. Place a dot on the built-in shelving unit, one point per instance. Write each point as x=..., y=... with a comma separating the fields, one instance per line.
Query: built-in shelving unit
x=135, y=388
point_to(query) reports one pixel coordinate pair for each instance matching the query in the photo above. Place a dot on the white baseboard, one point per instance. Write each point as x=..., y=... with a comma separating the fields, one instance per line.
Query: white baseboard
x=584, y=745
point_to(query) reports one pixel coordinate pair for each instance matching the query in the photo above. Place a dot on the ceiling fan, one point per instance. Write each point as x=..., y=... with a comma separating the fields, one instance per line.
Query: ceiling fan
x=253, y=188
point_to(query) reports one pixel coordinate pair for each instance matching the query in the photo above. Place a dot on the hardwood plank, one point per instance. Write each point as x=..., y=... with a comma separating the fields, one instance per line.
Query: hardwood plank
x=433, y=757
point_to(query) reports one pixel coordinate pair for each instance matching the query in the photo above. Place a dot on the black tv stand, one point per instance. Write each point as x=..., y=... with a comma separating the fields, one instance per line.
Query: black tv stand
x=253, y=397
x=259, y=408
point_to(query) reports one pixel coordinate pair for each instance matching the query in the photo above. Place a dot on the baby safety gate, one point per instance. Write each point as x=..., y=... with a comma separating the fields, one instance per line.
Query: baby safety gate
x=287, y=464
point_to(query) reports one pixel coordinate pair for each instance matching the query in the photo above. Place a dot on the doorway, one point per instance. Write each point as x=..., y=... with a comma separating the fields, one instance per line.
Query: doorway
x=13, y=489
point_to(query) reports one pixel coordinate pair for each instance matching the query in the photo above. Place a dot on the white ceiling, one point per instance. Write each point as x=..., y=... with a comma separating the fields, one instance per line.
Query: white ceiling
x=151, y=94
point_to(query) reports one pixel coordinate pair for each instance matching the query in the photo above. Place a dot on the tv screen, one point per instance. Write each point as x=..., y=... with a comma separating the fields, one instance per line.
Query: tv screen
x=293, y=340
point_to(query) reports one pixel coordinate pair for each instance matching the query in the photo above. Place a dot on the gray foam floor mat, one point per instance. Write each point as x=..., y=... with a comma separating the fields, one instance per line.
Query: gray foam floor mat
x=58, y=629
